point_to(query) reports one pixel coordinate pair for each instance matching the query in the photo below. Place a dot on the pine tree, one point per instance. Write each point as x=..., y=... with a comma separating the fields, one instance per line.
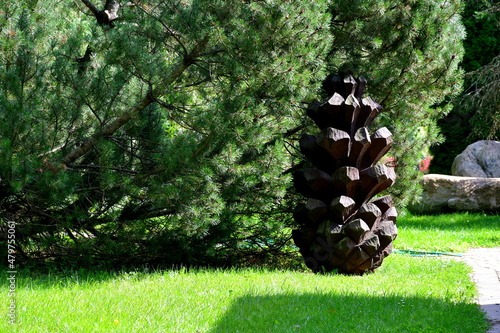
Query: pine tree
x=484, y=99
x=475, y=110
x=409, y=51
x=151, y=131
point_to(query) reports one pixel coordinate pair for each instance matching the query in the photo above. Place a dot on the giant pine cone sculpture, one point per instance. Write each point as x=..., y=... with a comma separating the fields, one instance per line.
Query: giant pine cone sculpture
x=342, y=226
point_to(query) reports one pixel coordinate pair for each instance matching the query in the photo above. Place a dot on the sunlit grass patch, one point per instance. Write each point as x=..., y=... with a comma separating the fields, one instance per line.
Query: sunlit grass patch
x=405, y=295
x=448, y=232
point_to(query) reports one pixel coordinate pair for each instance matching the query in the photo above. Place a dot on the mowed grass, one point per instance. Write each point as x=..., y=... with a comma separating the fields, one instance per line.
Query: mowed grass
x=407, y=294
x=448, y=232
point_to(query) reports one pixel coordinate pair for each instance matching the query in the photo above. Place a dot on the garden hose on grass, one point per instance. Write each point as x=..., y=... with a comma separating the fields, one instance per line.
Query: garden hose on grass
x=415, y=253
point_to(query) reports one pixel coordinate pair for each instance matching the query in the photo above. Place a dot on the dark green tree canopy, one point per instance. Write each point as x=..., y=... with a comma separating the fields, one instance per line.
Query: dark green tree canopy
x=157, y=131
x=475, y=110
x=409, y=51
x=149, y=129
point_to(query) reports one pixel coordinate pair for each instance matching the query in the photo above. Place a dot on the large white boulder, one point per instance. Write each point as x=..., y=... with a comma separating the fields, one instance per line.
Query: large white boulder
x=443, y=193
x=480, y=159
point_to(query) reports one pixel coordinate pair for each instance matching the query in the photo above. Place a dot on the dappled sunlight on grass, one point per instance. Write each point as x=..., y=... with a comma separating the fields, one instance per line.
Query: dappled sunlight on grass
x=405, y=294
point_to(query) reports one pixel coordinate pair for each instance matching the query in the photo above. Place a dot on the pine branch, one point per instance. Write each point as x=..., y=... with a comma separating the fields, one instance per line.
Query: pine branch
x=83, y=61
x=111, y=9
x=118, y=123
x=93, y=166
x=92, y=8
x=107, y=15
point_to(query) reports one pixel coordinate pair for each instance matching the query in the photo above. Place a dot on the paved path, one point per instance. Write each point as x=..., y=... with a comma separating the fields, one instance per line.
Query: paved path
x=486, y=266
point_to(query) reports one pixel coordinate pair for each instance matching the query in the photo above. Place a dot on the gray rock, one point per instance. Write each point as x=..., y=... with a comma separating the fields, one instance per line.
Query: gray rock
x=442, y=193
x=480, y=159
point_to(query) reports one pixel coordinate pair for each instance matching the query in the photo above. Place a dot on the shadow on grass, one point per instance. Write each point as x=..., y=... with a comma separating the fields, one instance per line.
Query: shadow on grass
x=46, y=279
x=451, y=222
x=350, y=313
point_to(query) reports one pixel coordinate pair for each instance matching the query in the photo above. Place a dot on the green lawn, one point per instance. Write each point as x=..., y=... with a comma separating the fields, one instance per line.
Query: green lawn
x=448, y=232
x=407, y=294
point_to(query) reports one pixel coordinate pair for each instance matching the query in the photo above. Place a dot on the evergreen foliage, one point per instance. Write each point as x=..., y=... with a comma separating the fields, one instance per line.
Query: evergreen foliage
x=485, y=101
x=473, y=116
x=409, y=51
x=155, y=131
x=482, y=43
x=151, y=131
